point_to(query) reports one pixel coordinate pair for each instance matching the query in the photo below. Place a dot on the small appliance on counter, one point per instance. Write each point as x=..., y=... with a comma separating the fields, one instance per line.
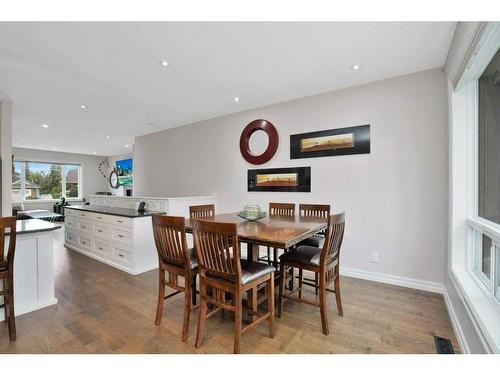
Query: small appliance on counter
x=142, y=207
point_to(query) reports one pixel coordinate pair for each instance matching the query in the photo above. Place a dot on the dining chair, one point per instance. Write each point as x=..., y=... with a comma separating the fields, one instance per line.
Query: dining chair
x=175, y=259
x=202, y=211
x=314, y=211
x=324, y=261
x=8, y=226
x=221, y=269
x=277, y=209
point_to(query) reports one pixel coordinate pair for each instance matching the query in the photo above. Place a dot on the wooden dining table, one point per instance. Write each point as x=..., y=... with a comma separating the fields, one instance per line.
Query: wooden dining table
x=281, y=232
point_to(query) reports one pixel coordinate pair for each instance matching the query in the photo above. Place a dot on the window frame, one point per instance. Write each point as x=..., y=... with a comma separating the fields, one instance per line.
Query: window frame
x=481, y=304
x=63, y=181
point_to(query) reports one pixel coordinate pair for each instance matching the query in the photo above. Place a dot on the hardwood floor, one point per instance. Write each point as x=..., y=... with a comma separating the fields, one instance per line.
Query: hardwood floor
x=104, y=310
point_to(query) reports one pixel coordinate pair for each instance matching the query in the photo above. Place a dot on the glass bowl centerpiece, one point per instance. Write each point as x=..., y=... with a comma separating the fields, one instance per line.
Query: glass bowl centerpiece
x=252, y=212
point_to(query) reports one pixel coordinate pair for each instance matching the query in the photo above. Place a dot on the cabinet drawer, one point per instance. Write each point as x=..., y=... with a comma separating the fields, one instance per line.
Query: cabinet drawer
x=121, y=256
x=102, y=249
x=85, y=243
x=84, y=226
x=84, y=214
x=70, y=222
x=117, y=234
x=101, y=231
x=119, y=220
x=69, y=212
x=70, y=236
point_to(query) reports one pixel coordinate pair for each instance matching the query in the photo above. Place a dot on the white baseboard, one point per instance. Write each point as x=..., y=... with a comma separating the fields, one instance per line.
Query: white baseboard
x=406, y=282
x=462, y=341
x=24, y=309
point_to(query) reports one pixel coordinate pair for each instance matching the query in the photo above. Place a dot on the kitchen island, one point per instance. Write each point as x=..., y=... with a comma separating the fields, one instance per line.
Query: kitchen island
x=33, y=266
x=112, y=230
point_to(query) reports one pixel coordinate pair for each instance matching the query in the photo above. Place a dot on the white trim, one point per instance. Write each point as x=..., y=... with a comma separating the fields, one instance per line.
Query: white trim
x=459, y=333
x=472, y=298
x=406, y=282
x=111, y=263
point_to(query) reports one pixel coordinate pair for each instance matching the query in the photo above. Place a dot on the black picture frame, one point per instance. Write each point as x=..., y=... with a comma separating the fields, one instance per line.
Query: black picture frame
x=302, y=179
x=357, y=141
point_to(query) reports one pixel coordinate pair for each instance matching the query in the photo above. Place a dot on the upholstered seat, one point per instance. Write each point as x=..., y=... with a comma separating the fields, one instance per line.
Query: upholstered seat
x=192, y=258
x=316, y=241
x=250, y=271
x=308, y=255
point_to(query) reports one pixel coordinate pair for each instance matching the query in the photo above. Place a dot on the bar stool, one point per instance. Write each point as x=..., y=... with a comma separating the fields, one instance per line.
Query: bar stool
x=176, y=260
x=324, y=261
x=7, y=272
x=221, y=269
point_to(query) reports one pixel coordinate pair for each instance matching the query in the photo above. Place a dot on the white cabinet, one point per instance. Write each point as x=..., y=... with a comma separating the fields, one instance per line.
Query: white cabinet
x=123, y=242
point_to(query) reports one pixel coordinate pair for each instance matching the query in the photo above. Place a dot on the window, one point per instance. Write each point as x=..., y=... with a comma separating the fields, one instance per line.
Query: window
x=45, y=181
x=484, y=212
x=489, y=142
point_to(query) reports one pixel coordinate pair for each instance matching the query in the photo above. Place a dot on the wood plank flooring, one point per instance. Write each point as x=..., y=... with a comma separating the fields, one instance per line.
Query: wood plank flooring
x=104, y=310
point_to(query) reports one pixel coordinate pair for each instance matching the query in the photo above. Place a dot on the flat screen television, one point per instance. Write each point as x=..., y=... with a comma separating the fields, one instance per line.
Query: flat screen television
x=124, y=169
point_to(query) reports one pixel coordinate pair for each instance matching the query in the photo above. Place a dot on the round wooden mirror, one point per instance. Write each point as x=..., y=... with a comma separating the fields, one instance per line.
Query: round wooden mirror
x=272, y=142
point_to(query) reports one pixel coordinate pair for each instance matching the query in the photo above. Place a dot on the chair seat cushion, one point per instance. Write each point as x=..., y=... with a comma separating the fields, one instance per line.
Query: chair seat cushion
x=307, y=255
x=251, y=271
x=316, y=241
x=192, y=257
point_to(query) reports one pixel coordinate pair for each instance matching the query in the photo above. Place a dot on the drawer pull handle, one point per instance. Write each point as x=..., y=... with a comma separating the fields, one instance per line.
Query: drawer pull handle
x=120, y=235
x=120, y=255
x=100, y=248
x=100, y=231
x=84, y=243
x=119, y=221
x=83, y=226
x=99, y=217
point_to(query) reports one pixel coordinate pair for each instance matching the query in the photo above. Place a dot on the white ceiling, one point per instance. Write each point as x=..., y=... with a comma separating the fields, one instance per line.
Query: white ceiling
x=50, y=69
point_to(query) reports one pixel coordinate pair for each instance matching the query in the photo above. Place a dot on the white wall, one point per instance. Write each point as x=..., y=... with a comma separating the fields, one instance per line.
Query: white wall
x=394, y=197
x=6, y=157
x=93, y=181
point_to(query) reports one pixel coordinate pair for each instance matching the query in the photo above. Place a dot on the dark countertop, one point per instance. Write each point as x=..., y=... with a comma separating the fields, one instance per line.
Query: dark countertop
x=116, y=211
x=34, y=226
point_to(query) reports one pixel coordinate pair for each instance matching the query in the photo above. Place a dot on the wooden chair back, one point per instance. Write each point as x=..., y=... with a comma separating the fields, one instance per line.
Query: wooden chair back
x=202, y=211
x=8, y=225
x=281, y=209
x=216, y=246
x=170, y=238
x=333, y=240
x=314, y=210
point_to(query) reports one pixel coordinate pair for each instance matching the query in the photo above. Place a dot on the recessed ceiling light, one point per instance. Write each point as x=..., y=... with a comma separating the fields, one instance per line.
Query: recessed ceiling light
x=126, y=145
x=95, y=152
x=45, y=126
x=236, y=99
x=83, y=106
x=355, y=67
x=164, y=63
x=53, y=148
x=108, y=137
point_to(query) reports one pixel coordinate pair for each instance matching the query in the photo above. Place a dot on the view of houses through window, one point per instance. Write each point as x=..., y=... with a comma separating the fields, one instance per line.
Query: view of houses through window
x=42, y=181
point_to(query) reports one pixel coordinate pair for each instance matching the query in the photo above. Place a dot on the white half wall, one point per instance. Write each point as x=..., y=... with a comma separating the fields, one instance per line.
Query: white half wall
x=395, y=197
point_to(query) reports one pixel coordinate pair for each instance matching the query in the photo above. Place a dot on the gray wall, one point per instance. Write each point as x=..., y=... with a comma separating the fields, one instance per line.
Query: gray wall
x=93, y=181
x=394, y=197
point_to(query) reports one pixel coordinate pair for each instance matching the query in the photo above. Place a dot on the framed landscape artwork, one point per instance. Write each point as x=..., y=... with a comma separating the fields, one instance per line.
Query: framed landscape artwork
x=124, y=171
x=280, y=179
x=333, y=142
